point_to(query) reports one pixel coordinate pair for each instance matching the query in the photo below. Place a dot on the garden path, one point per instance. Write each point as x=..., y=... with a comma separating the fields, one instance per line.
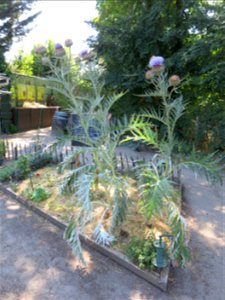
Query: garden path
x=204, y=208
x=46, y=137
x=37, y=264
x=27, y=137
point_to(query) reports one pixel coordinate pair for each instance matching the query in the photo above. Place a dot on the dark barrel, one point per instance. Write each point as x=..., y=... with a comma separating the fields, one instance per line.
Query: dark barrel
x=78, y=132
x=59, y=122
x=5, y=112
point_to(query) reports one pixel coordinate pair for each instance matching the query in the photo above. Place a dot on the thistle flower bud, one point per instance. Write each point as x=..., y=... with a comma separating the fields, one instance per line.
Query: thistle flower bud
x=174, y=80
x=158, y=69
x=68, y=43
x=45, y=60
x=40, y=49
x=149, y=74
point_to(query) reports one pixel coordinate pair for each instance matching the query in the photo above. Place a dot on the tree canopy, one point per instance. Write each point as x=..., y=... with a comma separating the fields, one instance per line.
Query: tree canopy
x=189, y=34
x=12, y=25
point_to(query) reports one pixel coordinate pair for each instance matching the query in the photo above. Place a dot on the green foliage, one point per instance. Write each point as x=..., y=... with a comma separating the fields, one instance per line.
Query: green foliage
x=37, y=195
x=7, y=171
x=189, y=34
x=39, y=160
x=141, y=252
x=3, y=65
x=22, y=63
x=21, y=168
x=15, y=170
x=2, y=149
x=12, y=26
x=210, y=124
x=13, y=129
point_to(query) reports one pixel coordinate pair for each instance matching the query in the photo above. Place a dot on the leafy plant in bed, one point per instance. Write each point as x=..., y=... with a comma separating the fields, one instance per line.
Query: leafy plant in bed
x=20, y=169
x=38, y=194
x=141, y=251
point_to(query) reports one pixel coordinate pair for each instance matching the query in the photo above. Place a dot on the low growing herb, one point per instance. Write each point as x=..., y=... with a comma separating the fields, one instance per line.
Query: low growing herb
x=141, y=252
x=38, y=194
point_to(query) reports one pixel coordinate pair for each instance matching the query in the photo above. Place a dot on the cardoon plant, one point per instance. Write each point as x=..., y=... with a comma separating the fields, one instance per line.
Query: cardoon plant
x=158, y=179
x=84, y=182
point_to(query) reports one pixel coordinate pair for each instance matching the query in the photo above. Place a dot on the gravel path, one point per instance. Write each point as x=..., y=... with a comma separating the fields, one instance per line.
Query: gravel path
x=204, y=276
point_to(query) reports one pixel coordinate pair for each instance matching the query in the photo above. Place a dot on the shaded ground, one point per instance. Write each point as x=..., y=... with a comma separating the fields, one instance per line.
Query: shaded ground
x=35, y=262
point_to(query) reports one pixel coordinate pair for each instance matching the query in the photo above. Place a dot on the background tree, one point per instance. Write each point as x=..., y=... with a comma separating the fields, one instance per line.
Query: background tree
x=12, y=25
x=22, y=63
x=187, y=33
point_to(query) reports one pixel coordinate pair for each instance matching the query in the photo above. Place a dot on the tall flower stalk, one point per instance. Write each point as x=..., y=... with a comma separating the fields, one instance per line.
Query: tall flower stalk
x=158, y=179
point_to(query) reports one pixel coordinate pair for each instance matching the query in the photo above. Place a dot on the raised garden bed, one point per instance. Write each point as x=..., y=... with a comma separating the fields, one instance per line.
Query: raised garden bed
x=159, y=279
x=58, y=210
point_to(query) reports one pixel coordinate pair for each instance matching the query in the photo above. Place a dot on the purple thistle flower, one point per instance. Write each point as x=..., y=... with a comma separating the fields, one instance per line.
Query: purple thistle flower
x=156, y=61
x=59, y=50
x=84, y=53
x=58, y=46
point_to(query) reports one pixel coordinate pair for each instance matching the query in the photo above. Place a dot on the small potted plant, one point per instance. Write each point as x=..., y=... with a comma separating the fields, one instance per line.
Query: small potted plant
x=2, y=151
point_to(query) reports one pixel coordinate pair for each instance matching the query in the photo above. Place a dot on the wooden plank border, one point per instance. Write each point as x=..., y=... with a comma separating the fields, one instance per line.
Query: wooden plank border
x=159, y=280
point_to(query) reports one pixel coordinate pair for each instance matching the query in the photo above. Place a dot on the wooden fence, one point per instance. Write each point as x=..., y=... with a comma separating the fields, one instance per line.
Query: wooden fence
x=124, y=161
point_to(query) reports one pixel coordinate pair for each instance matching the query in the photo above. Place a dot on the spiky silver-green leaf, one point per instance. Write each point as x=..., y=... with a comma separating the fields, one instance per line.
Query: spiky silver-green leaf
x=71, y=234
x=102, y=237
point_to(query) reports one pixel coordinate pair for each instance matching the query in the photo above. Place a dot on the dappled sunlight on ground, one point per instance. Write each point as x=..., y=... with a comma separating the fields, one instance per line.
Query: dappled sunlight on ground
x=13, y=207
x=208, y=232
x=137, y=295
x=27, y=137
x=221, y=209
x=25, y=264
